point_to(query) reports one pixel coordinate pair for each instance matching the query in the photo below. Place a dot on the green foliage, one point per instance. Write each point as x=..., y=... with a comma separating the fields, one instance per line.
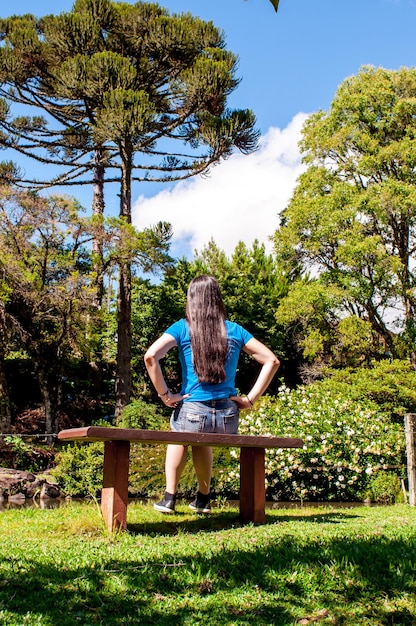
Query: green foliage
x=79, y=468
x=142, y=414
x=119, y=68
x=347, y=439
x=354, y=336
x=351, y=219
x=27, y=457
x=252, y=286
x=124, y=113
x=154, y=308
x=317, y=565
x=384, y=488
x=48, y=294
x=116, y=79
x=147, y=470
x=22, y=452
x=391, y=384
x=310, y=311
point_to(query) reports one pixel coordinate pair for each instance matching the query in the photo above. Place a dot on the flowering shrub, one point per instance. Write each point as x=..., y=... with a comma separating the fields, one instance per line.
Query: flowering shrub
x=346, y=441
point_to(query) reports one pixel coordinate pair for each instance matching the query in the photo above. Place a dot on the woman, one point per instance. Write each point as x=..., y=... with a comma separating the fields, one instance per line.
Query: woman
x=209, y=347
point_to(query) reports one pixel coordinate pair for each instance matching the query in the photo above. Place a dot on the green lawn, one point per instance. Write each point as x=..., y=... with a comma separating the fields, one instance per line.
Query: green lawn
x=314, y=565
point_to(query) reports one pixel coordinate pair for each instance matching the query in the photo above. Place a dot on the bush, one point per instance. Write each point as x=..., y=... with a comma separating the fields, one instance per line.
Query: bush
x=18, y=454
x=384, y=488
x=79, y=469
x=144, y=415
x=390, y=384
x=346, y=442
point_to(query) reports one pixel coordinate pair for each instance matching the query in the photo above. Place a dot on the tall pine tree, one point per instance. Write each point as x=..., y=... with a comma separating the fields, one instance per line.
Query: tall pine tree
x=129, y=93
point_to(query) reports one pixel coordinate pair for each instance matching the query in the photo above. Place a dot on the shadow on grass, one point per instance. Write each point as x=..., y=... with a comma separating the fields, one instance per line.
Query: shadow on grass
x=275, y=579
x=224, y=519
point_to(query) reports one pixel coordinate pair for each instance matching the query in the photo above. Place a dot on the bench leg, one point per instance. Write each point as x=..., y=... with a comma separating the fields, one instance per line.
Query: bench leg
x=114, y=495
x=252, y=485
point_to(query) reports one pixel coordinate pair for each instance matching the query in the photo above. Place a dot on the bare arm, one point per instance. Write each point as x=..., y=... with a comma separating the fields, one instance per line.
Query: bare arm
x=152, y=358
x=270, y=364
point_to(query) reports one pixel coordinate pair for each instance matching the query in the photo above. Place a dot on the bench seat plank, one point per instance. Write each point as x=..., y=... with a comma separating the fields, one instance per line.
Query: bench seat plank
x=114, y=495
x=102, y=433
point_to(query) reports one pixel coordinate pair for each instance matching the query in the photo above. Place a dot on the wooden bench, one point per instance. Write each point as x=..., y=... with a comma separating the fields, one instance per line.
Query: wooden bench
x=114, y=495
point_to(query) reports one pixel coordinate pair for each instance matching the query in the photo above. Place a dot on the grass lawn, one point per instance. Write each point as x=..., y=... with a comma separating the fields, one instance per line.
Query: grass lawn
x=314, y=565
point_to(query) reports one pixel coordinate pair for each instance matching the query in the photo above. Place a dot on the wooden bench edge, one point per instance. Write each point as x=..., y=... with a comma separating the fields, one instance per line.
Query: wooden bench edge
x=100, y=433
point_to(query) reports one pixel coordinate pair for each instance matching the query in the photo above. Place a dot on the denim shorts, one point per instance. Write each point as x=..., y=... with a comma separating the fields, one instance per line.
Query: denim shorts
x=212, y=416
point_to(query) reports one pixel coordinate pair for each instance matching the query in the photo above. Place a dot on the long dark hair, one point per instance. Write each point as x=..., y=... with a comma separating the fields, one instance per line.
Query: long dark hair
x=205, y=314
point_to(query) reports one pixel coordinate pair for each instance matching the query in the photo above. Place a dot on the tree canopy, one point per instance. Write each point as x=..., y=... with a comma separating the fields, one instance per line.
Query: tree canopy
x=130, y=93
x=349, y=230
x=45, y=289
x=120, y=77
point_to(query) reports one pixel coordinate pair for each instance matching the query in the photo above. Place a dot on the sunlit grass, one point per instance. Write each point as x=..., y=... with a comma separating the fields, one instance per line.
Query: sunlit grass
x=309, y=565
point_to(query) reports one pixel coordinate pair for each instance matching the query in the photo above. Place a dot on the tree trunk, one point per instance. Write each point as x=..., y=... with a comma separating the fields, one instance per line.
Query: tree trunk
x=411, y=330
x=50, y=388
x=410, y=432
x=5, y=404
x=123, y=366
x=380, y=328
x=98, y=207
x=47, y=402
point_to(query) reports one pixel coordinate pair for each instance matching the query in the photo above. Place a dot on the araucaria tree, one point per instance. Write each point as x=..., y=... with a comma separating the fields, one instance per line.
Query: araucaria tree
x=351, y=223
x=131, y=94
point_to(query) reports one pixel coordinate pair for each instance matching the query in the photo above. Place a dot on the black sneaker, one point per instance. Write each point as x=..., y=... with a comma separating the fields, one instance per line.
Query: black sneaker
x=165, y=506
x=201, y=504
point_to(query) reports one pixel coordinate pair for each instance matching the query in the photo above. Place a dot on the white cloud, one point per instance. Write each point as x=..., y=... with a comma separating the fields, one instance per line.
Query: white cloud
x=239, y=201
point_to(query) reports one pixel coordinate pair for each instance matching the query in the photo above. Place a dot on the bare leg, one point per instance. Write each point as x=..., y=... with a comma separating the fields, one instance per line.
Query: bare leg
x=202, y=459
x=176, y=456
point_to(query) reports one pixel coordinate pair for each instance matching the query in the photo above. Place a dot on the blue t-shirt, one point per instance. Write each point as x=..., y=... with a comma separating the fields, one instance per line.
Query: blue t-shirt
x=237, y=337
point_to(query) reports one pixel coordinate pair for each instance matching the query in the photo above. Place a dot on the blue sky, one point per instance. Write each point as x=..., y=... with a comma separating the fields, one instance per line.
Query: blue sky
x=290, y=64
